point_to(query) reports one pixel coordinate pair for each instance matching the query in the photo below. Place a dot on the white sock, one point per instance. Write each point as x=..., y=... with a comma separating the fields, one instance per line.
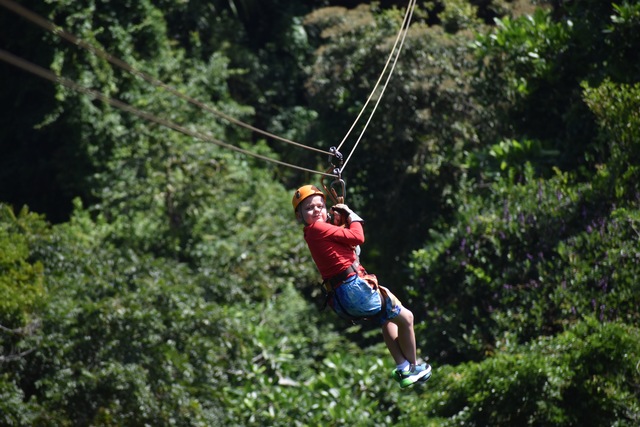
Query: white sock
x=403, y=366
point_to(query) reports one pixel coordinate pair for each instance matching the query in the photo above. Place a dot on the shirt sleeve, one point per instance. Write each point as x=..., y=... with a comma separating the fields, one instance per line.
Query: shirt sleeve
x=332, y=247
x=354, y=235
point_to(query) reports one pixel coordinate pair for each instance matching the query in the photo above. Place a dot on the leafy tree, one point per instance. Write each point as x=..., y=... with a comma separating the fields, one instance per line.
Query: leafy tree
x=61, y=127
x=616, y=109
x=177, y=293
x=530, y=74
x=407, y=165
x=23, y=297
x=512, y=278
x=585, y=376
x=129, y=339
x=520, y=80
x=486, y=275
x=20, y=278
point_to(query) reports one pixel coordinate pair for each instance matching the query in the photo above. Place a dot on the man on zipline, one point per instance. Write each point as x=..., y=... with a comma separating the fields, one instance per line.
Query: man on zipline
x=353, y=293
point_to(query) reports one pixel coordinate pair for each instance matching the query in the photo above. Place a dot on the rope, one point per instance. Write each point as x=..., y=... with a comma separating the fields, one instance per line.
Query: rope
x=411, y=5
x=402, y=32
x=49, y=75
x=49, y=26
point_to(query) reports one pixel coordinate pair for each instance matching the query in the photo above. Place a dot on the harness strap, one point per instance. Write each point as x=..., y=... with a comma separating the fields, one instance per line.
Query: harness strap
x=337, y=280
x=329, y=287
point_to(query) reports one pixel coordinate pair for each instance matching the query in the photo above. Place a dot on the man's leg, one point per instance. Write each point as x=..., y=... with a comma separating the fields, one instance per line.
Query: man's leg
x=400, y=338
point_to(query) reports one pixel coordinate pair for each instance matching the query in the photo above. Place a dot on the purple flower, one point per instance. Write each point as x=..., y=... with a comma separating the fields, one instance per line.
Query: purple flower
x=539, y=191
x=603, y=285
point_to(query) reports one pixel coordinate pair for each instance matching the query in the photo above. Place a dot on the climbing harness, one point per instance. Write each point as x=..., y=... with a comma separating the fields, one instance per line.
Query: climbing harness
x=331, y=299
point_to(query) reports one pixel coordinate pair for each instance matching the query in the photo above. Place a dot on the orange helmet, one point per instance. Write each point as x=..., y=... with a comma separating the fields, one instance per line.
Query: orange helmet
x=304, y=192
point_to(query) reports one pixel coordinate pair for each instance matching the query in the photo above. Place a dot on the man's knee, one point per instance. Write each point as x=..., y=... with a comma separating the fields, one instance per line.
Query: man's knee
x=406, y=317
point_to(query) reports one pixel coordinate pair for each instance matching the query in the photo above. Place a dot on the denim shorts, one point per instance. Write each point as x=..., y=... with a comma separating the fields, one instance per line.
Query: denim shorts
x=357, y=298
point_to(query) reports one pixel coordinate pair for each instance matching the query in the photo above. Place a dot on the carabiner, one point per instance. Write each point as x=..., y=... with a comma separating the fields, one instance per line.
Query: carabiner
x=338, y=182
x=338, y=197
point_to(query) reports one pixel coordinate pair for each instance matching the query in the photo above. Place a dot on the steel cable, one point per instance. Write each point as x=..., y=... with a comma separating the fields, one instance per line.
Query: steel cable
x=49, y=75
x=403, y=32
x=395, y=54
x=49, y=26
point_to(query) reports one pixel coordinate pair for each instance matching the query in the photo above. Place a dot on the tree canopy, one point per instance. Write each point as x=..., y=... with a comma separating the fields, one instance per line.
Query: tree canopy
x=151, y=276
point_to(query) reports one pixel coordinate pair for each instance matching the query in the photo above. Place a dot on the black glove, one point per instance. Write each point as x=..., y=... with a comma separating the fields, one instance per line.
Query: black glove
x=351, y=216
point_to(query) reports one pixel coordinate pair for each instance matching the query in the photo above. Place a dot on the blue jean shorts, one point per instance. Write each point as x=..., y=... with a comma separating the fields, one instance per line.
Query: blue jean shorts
x=357, y=298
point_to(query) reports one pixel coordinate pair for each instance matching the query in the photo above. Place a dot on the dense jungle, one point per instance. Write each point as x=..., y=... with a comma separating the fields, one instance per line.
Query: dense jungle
x=152, y=272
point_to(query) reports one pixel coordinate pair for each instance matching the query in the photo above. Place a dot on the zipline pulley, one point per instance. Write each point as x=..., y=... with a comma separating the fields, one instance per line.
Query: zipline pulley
x=336, y=160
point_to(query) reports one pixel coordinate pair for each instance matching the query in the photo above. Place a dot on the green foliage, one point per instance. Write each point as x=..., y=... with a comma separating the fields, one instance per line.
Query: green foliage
x=129, y=339
x=520, y=80
x=616, y=107
x=459, y=15
x=23, y=297
x=510, y=158
x=13, y=410
x=413, y=151
x=523, y=47
x=209, y=209
x=20, y=278
x=597, y=269
x=512, y=261
x=585, y=376
x=531, y=68
x=175, y=291
x=303, y=375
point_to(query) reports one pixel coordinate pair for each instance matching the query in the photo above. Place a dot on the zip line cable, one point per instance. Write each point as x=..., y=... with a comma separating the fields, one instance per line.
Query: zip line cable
x=49, y=75
x=405, y=23
x=49, y=26
x=404, y=32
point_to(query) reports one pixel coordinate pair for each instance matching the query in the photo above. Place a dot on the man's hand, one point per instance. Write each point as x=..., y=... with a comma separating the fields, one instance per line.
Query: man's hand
x=345, y=212
x=338, y=217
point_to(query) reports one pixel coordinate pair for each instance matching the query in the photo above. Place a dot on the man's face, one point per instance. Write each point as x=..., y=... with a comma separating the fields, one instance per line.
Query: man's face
x=313, y=209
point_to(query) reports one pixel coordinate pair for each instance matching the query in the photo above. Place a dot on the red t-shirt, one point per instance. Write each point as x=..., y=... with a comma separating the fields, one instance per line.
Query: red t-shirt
x=332, y=248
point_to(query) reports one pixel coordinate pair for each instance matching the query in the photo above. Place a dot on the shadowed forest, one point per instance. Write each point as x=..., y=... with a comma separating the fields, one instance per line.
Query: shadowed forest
x=152, y=271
